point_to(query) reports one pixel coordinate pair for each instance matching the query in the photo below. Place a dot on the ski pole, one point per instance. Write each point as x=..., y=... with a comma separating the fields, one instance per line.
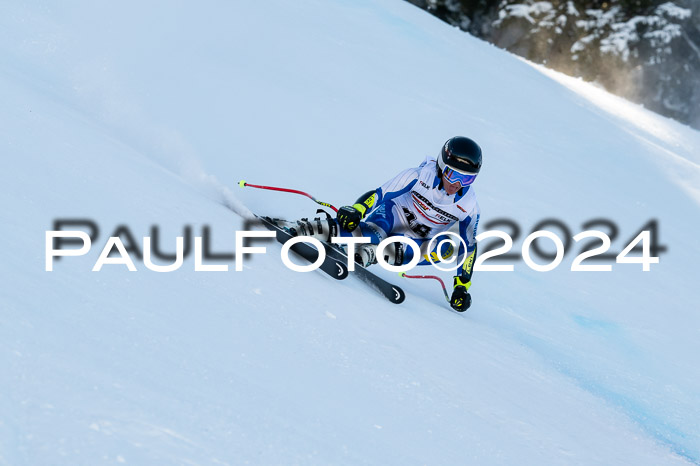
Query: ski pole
x=444, y=290
x=243, y=184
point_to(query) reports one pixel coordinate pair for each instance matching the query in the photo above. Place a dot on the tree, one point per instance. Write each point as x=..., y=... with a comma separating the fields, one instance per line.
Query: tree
x=645, y=50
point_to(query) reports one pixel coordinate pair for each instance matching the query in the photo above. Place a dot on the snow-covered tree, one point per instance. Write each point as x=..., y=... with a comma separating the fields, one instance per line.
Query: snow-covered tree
x=645, y=50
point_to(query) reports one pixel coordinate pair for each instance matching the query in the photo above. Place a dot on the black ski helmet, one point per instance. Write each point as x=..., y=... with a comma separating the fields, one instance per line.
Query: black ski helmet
x=460, y=154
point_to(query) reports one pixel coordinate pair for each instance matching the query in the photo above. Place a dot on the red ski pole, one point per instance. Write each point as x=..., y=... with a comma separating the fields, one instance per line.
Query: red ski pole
x=433, y=277
x=243, y=184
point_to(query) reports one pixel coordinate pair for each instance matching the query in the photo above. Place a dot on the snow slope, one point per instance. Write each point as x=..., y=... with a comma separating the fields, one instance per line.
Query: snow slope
x=148, y=114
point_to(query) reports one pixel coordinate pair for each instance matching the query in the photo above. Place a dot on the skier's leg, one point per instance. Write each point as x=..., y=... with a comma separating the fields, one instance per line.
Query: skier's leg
x=323, y=229
x=383, y=223
x=379, y=225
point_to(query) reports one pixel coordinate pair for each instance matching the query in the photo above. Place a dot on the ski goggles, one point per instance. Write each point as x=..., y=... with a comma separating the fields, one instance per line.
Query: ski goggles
x=453, y=176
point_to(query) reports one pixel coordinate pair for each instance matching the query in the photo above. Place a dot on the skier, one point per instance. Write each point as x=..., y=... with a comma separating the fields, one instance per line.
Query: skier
x=419, y=203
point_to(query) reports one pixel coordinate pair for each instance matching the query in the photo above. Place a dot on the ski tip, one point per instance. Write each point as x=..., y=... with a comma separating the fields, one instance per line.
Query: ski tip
x=241, y=183
x=399, y=295
x=342, y=272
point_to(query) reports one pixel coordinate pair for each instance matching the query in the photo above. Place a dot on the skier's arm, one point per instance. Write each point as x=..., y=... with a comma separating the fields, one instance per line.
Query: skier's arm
x=349, y=217
x=461, y=300
x=467, y=230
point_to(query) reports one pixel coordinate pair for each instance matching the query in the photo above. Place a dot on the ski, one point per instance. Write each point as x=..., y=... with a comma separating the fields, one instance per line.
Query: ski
x=391, y=292
x=332, y=265
x=336, y=262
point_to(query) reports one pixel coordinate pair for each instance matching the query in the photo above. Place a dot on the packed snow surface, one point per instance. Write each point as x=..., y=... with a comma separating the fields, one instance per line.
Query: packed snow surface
x=139, y=114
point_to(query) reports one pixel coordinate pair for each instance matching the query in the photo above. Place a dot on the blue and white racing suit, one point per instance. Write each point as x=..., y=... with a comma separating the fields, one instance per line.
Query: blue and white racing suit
x=414, y=204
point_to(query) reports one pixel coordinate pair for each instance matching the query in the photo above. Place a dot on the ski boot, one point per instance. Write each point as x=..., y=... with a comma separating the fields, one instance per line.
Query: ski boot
x=366, y=254
x=322, y=229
